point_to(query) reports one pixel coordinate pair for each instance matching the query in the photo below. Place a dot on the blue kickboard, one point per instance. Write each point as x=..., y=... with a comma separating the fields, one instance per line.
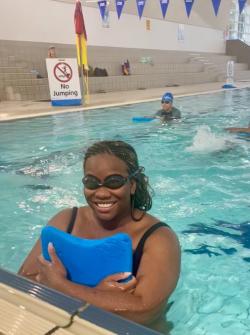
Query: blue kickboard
x=87, y=261
x=142, y=119
x=242, y=134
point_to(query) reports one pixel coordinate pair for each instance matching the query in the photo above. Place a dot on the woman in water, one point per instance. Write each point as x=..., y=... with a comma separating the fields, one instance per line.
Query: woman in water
x=118, y=198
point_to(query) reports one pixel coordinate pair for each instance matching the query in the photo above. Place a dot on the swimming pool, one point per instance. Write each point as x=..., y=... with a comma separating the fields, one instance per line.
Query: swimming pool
x=201, y=179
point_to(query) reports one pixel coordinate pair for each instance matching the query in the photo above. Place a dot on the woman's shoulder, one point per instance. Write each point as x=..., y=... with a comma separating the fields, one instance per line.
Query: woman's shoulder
x=62, y=219
x=159, y=230
x=149, y=220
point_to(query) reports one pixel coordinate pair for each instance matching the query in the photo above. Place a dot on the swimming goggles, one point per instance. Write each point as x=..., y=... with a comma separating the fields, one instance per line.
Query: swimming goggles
x=113, y=182
x=166, y=102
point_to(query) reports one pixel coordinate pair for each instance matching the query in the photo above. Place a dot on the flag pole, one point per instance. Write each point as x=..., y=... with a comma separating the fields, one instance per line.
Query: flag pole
x=81, y=68
x=81, y=42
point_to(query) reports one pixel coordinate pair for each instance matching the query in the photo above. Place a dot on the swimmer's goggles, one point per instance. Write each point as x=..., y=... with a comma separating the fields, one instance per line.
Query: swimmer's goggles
x=166, y=101
x=113, y=182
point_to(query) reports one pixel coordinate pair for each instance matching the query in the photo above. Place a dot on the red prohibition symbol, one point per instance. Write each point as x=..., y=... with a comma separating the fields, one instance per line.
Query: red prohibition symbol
x=63, y=72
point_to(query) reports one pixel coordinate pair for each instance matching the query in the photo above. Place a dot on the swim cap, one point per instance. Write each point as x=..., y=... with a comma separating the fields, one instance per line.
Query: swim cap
x=167, y=97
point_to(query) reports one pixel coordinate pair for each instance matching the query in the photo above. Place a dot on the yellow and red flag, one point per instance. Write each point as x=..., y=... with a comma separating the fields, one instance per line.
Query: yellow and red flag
x=81, y=36
x=81, y=46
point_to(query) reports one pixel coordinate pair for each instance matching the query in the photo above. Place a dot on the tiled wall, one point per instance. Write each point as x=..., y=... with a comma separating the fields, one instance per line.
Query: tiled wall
x=20, y=62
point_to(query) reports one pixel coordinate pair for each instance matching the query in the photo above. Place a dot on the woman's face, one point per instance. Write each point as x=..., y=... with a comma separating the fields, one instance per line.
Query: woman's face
x=108, y=203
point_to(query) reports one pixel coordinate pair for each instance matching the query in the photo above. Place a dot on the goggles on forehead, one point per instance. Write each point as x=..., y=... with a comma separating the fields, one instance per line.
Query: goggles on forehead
x=113, y=182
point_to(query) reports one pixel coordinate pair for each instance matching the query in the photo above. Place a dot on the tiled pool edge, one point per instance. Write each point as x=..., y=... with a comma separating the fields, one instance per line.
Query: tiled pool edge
x=92, y=314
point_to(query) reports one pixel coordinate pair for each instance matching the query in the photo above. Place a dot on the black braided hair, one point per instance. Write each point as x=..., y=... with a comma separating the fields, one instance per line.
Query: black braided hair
x=142, y=199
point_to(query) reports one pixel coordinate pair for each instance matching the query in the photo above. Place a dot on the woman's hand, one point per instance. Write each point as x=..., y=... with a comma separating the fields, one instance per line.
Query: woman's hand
x=111, y=283
x=51, y=273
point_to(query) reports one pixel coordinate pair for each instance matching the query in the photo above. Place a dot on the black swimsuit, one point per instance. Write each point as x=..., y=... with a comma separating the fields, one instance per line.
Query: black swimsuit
x=139, y=249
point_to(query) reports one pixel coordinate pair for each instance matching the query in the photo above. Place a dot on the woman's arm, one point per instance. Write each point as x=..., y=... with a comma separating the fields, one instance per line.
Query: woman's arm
x=156, y=279
x=157, y=275
x=30, y=266
x=238, y=130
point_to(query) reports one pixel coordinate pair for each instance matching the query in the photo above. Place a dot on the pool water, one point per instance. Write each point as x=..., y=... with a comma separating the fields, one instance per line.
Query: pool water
x=201, y=178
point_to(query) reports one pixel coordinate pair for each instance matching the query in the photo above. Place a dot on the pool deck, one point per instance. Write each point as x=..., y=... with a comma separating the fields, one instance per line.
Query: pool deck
x=12, y=110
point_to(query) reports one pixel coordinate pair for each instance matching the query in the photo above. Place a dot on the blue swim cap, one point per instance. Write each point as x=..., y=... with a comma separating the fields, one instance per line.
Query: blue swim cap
x=167, y=97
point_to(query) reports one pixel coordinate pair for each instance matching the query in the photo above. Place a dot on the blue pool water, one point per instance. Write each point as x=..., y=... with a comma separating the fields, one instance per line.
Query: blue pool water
x=201, y=178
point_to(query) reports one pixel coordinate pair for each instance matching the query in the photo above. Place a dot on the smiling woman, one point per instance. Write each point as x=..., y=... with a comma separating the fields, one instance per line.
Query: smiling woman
x=117, y=193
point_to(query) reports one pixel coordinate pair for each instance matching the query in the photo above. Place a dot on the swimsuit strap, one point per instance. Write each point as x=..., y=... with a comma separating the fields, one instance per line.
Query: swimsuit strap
x=139, y=249
x=72, y=220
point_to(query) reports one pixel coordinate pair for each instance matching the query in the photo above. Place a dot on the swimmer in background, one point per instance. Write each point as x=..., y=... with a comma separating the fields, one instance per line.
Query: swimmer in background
x=167, y=112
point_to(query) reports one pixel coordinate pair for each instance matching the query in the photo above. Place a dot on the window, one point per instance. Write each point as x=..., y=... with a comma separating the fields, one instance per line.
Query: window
x=239, y=24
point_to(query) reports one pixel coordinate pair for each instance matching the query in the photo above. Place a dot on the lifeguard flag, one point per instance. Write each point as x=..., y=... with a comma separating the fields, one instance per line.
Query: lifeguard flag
x=81, y=36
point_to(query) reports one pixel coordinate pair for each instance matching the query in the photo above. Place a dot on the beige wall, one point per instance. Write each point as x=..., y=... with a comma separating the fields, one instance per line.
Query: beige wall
x=202, y=12
x=51, y=21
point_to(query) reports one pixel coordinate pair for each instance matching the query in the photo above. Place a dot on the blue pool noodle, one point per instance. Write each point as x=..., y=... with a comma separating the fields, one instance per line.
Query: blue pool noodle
x=87, y=261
